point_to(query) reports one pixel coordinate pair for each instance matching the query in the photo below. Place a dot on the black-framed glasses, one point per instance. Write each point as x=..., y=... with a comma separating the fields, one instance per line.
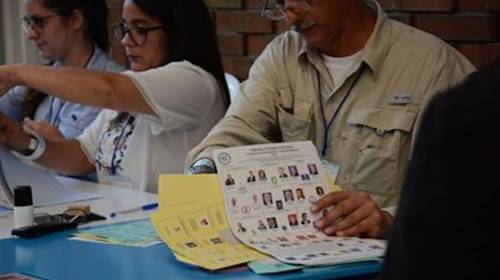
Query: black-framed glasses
x=35, y=23
x=276, y=9
x=138, y=35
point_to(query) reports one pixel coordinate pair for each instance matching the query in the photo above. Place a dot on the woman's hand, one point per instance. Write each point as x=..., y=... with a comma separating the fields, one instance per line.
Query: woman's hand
x=12, y=134
x=43, y=129
x=7, y=80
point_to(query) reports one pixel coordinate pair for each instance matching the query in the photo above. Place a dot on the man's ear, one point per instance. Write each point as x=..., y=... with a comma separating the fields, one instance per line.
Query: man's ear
x=77, y=20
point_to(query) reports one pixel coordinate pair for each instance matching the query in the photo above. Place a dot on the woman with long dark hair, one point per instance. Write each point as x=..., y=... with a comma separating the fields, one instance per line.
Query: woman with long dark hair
x=66, y=33
x=172, y=97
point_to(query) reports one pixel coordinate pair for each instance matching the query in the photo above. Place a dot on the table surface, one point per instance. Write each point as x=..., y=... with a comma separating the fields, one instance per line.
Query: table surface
x=114, y=199
x=54, y=256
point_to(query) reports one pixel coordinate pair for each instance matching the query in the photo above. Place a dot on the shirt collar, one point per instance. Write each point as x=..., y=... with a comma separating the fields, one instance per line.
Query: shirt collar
x=374, y=51
x=98, y=58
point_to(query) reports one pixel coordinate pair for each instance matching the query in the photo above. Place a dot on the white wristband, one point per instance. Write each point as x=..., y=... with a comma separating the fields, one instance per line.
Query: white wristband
x=38, y=152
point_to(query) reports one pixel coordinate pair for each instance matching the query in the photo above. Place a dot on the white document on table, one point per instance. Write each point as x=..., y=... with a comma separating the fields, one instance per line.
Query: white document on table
x=46, y=190
x=268, y=190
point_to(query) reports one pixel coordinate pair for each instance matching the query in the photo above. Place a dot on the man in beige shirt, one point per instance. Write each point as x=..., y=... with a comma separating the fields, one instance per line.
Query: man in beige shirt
x=352, y=81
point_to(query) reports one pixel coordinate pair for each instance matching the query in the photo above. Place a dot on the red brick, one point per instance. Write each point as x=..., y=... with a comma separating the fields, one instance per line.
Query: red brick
x=242, y=33
x=281, y=26
x=463, y=28
x=492, y=5
x=479, y=5
x=238, y=66
x=254, y=4
x=390, y=5
x=115, y=15
x=471, y=5
x=402, y=17
x=480, y=54
x=428, y=5
x=114, y=3
x=257, y=43
x=242, y=21
x=231, y=44
x=226, y=4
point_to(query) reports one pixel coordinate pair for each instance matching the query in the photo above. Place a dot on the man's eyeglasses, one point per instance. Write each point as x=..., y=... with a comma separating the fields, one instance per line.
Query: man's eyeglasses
x=276, y=9
x=35, y=23
x=138, y=35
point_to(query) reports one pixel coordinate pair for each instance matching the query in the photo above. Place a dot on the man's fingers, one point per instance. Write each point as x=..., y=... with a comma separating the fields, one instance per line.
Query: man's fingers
x=355, y=230
x=371, y=227
x=349, y=220
x=340, y=211
x=328, y=200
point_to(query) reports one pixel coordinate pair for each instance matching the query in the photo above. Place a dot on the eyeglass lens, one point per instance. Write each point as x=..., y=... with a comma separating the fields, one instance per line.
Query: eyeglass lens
x=275, y=9
x=137, y=35
x=36, y=23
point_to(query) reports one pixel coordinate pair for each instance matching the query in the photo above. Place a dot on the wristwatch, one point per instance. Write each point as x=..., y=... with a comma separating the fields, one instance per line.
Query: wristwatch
x=36, y=148
x=33, y=144
x=202, y=166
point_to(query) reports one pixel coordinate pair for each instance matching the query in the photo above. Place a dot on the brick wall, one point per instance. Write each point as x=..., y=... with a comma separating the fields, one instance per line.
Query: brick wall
x=472, y=26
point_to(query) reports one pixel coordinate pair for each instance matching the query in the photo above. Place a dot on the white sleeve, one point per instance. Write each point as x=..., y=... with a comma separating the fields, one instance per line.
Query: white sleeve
x=180, y=93
x=91, y=136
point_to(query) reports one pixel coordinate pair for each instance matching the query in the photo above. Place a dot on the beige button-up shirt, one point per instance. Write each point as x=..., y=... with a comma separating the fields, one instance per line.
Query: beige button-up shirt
x=370, y=137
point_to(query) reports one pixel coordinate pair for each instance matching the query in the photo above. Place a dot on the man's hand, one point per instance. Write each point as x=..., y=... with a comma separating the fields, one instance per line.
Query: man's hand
x=354, y=213
x=43, y=129
x=12, y=134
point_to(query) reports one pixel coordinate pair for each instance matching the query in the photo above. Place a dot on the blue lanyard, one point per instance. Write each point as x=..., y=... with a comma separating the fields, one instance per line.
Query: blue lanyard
x=57, y=119
x=326, y=126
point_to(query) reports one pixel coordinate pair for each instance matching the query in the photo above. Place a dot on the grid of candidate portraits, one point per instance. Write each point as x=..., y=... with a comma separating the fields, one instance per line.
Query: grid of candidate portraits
x=272, y=199
x=268, y=207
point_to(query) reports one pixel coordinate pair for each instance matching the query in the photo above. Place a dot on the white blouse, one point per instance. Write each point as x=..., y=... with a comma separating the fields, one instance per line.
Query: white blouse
x=135, y=149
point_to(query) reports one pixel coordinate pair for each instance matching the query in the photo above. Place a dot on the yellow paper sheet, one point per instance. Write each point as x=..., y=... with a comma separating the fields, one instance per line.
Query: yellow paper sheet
x=193, y=223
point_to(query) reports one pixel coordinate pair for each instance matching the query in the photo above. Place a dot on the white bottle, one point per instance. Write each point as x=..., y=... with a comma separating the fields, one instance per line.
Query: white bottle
x=23, y=207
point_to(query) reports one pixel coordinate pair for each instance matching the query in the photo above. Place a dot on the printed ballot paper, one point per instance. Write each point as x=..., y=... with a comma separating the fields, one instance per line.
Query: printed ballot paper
x=268, y=190
x=192, y=222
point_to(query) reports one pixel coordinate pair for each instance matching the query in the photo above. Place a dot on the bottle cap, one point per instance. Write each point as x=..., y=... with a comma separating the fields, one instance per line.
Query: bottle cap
x=22, y=196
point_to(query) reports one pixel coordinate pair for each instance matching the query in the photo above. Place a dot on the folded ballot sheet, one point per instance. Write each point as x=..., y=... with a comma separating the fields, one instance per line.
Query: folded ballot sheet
x=268, y=190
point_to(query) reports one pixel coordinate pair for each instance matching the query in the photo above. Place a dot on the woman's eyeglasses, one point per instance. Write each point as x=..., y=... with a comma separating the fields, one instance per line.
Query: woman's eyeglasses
x=276, y=9
x=138, y=35
x=35, y=23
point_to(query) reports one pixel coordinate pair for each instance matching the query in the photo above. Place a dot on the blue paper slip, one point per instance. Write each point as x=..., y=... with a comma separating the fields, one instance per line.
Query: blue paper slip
x=138, y=233
x=272, y=266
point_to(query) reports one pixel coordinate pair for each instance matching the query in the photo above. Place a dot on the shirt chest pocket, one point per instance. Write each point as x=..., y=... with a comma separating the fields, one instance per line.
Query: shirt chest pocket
x=295, y=124
x=382, y=130
x=74, y=122
x=378, y=144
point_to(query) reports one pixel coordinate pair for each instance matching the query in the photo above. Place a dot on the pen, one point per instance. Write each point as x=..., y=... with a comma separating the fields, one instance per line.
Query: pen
x=145, y=207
